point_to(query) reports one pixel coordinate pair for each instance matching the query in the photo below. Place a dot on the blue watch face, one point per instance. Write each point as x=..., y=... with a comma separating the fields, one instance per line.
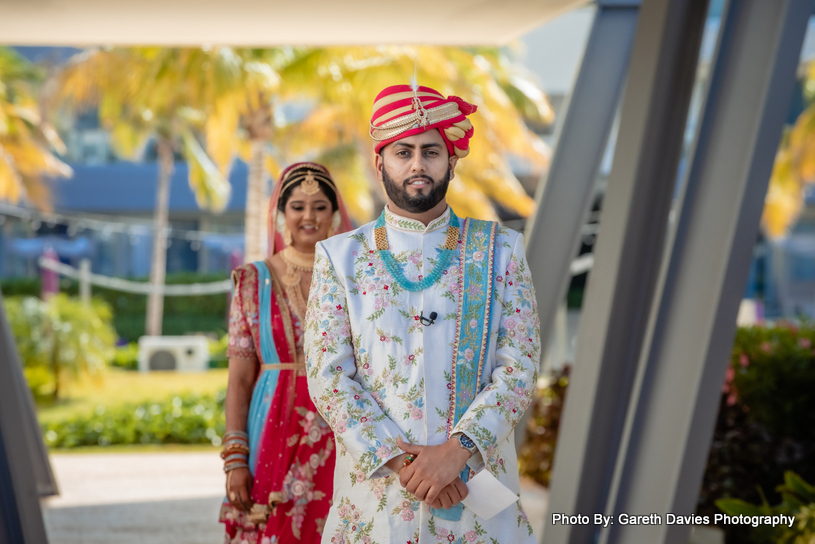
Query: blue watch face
x=466, y=442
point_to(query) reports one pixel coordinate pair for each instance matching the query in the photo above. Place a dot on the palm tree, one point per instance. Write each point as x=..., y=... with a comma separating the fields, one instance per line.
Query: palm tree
x=343, y=82
x=26, y=139
x=794, y=167
x=241, y=122
x=229, y=93
x=336, y=121
x=156, y=93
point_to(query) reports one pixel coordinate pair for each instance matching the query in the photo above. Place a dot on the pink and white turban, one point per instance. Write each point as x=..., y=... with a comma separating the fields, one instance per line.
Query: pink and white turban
x=400, y=111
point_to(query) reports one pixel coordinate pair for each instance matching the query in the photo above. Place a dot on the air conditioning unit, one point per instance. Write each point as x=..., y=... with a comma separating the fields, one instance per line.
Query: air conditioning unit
x=182, y=353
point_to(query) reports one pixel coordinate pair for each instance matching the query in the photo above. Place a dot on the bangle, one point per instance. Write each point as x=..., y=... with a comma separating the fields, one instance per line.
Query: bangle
x=235, y=434
x=233, y=466
x=232, y=448
x=235, y=447
x=235, y=457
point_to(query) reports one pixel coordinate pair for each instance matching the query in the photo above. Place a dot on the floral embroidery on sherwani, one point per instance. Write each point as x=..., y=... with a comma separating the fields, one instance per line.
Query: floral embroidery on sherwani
x=376, y=373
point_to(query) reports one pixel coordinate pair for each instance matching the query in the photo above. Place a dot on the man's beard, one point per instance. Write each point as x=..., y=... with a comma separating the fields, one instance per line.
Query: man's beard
x=421, y=202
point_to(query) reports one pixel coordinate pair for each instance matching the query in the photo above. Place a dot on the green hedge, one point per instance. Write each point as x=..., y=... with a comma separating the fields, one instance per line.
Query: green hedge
x=766, y=421
x=131, y=327
x=182, y=315
x=183, y=419
x=22, y=287
x=765, y=426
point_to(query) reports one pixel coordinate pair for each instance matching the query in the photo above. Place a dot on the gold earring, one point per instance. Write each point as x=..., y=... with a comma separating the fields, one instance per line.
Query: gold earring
x=335, y=223
x=287, y=236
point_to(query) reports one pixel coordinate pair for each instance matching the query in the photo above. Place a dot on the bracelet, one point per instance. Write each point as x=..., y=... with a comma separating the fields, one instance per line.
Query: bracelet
x=229, y=448
x=235, y=457
x=232, y=448
x=236, y=434
x=406, y=463
x=227, y=454
x=233, y=466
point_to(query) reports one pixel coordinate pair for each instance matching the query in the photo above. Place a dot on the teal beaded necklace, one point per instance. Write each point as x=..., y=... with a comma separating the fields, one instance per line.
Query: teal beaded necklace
x=447, y=252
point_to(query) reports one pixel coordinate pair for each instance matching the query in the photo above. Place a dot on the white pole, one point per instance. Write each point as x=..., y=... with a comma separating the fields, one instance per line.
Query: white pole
x=85, y=281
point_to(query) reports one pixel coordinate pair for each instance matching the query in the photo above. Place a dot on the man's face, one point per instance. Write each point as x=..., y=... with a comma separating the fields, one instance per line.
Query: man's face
x=416, y=171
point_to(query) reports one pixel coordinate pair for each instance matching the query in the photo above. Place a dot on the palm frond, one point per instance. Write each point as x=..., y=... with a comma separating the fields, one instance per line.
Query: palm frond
x=211, y=189
x=27, y=142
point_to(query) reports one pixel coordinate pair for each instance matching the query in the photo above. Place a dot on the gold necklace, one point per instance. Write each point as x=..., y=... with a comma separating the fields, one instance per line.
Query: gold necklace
x=296, y=262
x=297, y=259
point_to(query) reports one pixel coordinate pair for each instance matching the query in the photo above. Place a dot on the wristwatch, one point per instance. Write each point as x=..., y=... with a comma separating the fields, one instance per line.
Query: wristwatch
x=465, y=442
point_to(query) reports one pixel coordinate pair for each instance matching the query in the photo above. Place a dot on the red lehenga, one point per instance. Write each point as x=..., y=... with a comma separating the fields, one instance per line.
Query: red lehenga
x=292, y=447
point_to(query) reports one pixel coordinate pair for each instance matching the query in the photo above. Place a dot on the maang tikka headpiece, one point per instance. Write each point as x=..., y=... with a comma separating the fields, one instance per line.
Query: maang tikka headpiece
x=309, y=179
x=310, y=186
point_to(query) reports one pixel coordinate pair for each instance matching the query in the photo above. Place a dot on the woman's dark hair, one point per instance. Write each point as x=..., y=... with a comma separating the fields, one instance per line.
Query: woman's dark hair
x=328, y=190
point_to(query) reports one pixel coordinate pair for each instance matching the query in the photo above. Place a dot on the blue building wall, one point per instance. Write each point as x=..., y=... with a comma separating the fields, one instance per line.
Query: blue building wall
x=128, y=190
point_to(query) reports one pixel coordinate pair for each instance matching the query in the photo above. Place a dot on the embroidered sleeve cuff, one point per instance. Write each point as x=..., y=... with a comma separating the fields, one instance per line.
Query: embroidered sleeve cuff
x=373, y=461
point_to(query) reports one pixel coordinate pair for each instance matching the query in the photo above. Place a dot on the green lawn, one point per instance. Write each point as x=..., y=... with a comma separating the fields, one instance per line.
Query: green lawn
x=119, y=387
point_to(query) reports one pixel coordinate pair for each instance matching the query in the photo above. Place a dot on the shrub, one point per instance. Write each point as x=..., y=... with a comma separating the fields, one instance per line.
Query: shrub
x=765, y=425
x=766, y=422
x=60, y=337
x=182, y=315
x=538, y=450
x=797, y=499
x=183, y=419
x=19, y=287
x=126, y=357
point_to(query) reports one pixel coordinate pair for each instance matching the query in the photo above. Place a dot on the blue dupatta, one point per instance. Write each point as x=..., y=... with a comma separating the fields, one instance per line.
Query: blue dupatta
x=267, y=382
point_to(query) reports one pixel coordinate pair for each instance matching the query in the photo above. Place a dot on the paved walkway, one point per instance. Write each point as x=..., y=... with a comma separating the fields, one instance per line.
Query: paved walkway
x=156, y=498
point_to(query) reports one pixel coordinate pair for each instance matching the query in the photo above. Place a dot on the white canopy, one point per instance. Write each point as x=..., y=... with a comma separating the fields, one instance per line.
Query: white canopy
x=273, y=22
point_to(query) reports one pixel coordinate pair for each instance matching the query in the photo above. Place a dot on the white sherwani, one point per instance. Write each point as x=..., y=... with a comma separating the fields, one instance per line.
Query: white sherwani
x=376, y=373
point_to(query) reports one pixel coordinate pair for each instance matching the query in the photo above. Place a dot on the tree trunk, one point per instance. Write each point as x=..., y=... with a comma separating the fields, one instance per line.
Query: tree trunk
x=55, y=362
x=158, y=266
x=255, y=232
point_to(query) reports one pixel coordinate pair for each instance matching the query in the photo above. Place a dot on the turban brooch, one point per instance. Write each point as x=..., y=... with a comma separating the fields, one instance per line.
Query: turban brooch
x=401, y=110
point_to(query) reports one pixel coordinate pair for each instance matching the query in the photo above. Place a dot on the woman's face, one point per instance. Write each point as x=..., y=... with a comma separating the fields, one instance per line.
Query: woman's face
x=308, y=218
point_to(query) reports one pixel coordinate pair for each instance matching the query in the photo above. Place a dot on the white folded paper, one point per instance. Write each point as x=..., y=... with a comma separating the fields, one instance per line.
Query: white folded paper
x=487, y=496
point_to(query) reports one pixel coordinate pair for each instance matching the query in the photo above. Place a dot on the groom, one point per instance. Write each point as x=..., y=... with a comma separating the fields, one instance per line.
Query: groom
x=422, y=343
